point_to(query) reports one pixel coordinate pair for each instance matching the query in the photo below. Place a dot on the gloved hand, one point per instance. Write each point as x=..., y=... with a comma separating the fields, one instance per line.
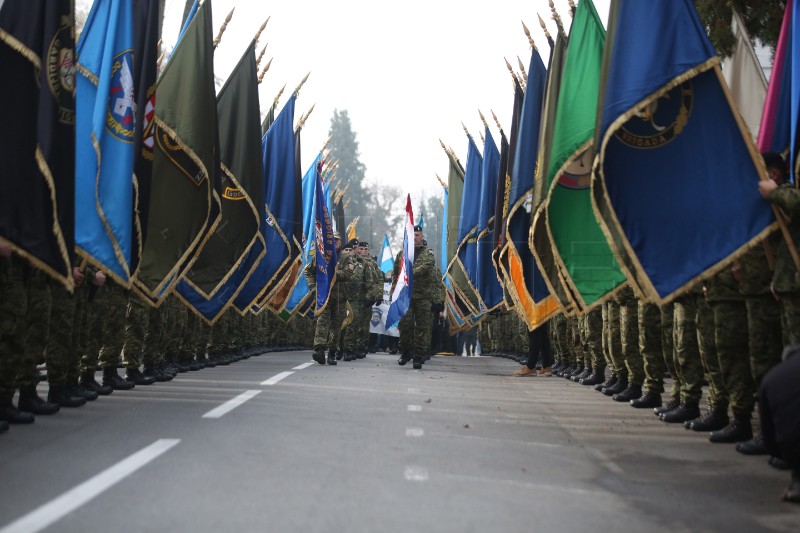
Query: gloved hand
x=368, y=303
x=436, y=307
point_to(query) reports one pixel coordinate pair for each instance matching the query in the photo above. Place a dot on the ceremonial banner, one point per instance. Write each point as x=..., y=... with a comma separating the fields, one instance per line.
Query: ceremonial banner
x=745, y=77
x=466, y=256
x=183, y=197
x=105, y=131
x=524, y=281
x=215, y=277
x=277, y=222
x=486, y=279
x=146, y=25
x=773, y=133
x=37, y=144
x=677, y=172
x=582, y=255
x=403, y=288
x=386, y=257
x=325, y=253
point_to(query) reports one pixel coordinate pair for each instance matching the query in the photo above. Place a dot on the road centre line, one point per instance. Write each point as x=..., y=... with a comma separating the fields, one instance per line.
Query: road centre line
x=415, y=432
x=276, y=378
x=230, y=405
x=415, y=473
x=414, y=408
x=51, y=512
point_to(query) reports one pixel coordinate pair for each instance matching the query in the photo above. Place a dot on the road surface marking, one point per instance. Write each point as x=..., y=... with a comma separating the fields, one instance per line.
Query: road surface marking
x=276, y=378
x=415, y=408
x=413, y=390
x=230, y=405
x=71, y=500
x=416, y=473
x=303, y=366
x=415, y=432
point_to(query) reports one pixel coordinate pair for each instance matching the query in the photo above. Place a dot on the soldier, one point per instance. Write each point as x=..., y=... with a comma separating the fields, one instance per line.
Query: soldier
x=415, y=326
x=628, y=387
x=136, y=324
x=356, y=290
x=613, y=343
x=373, y=279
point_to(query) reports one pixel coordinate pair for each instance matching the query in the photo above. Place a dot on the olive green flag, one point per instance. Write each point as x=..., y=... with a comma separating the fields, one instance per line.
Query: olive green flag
x=184, y=201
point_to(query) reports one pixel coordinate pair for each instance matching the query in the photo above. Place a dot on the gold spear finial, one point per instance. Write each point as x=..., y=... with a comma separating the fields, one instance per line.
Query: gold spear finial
x=278, y=97
x=511, y=70
x=325, y=146
x=485, y=125
x=160, y=59
x=261, y=29
x=466, y=130
x=571, y=7
x=303, y=118
x=264, y=70
x=158, y=45
x=223, y=28
x=544, y=27
x=261, y=55
x=528, y=35
x=499, y=127
x=557, y=18
x=483, y=139
x=297, y=90
x=522, y=68
x=442, y=183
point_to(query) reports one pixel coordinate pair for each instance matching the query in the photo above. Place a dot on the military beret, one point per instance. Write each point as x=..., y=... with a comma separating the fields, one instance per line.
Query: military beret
x=364, y=244
x=417, y=228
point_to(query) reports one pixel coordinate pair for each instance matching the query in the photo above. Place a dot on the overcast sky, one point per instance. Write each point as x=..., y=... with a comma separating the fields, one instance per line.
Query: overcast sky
x=407, y=73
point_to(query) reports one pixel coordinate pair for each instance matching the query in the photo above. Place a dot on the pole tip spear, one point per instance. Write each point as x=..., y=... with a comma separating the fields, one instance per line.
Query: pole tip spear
x=261, y=29
x=264, y=71
x=528, y=35
x=297, y=90
x=223, y=28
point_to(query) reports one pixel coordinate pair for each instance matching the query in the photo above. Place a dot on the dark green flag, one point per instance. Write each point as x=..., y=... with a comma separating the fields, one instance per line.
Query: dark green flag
x=183, y=198
x=242, y=189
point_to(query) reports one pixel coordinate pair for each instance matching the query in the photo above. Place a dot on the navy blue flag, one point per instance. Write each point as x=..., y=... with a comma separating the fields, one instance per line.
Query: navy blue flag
x=677, y=173
x=489, y=287
x=277, y=224
x=325, y=247
x=466, y=253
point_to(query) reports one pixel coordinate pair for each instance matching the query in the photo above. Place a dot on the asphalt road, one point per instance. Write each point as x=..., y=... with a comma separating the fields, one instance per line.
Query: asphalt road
x=271, y=444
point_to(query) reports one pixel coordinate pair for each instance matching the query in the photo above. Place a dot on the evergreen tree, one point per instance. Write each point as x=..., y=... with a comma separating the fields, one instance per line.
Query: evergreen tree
x=761, y=17
x=350, y=170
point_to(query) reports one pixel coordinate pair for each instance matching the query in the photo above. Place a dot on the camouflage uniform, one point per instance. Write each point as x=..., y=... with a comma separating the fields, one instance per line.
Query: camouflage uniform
x=689, y=367
x=558, y=332
x=706, y=344
x=415, y=326
x=36, y=327
x=115, y=302
x=649, y=325
x=785, y=278
x=13, y=310
x=613, y=339
x=329, y=323
x=593, y=345
x=136, y=318
x=629, y=334
x=356, y=290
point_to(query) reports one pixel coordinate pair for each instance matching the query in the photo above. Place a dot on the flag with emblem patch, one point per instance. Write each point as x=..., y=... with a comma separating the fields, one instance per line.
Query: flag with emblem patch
x=403, y=288
x=677, y=174
x=105, y=114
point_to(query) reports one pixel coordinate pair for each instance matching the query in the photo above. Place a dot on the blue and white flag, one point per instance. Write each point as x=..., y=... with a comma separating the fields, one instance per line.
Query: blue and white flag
x=105, y=107
x=301, y=288
x=326, y=258
x=387, y=257
x=401, y=296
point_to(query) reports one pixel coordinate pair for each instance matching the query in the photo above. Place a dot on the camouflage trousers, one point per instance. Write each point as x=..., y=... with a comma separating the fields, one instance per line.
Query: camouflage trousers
x=764, y=335
x=63, y=344
x=13, y=309
x=629, y=334
x=689, y=368
x=592, y=339
x=706, y=344
x=354, y=333
x=613, y=339
x=36, y=327
x=731, y=338
x=415, y=328
x=558, y=335
x=136, y=323
x=790, y=318
x=328, y=331
x=649, y=325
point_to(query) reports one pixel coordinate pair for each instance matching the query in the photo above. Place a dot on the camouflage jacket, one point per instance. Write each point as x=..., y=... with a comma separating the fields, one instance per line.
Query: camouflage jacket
x=425, y=273
x=373, y=278
x=787, y=197
x=754, y=269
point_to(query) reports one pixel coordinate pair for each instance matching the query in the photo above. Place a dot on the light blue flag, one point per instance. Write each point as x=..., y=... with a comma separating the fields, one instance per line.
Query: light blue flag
x=301, y=289
x=486, y=275
x=104, y=125
x=387, y=257
x=189, y=17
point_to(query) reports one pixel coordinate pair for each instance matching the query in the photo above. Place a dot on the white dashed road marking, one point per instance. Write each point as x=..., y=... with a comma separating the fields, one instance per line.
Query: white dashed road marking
x=303, y=366
x=415, y=432
x=415, y=408
x=230, y=405
x=276, y=378
x=416, y=473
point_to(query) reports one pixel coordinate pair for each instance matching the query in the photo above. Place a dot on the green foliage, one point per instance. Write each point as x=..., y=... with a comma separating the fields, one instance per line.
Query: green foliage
x=761, y=17
x=350, y=170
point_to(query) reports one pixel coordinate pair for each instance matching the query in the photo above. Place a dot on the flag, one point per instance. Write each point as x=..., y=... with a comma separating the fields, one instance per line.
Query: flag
x=421, y=221
x=186, y=22
x=325, y=253
x=677, y=174
x=582, y=255
x=218, y=273
x=351, y=229
x=104, y=124
x=387, y=257
x=277, y=221
x=466, y=253
x=744, y=76
x=401, y=295
x=146, y=24
x=773, y=133
x=486, y=276
x=183, y=198
x=794, y=147
x=524, y=281
x=37, y=144
x=301, y=289
x=443, y=237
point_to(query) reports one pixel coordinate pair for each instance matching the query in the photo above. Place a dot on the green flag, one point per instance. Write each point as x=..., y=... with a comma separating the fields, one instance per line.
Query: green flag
x=582, y=256
x=183, y=200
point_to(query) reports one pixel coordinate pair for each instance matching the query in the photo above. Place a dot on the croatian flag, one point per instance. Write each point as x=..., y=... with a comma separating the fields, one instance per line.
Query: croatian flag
x=401, y=296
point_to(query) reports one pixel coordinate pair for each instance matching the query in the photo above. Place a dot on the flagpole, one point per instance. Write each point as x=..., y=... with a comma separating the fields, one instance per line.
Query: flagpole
x=522, y=68
x=442, y=183
x=499, y=127
x=261, y=29
x=557, y=19
x=546, y=33
x=303, y=82
x=263, y=72
x=511, y=71
x=222, y=29
x=261, y=55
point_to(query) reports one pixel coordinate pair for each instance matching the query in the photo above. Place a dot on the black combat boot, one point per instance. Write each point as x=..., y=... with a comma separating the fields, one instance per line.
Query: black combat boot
x=64, y=397
x=348, y=355
x=597, y=376
x=686, y=411
x=89, y=383
x=418, y=362
x=737, y=431
x=30, y=401
x=83, y=392
x=135, y=375
x=115, y=381
x=587, y=371
x=714, y=420
x=632, y=392
x=12, y=415
x=156, y=374
x=3, y=426
x=648, y=399
x=332, y=357
x=616, y=388
x=319, y=356
x=754, y=446
x=671, y=405
x=405, y=357
x=577, y=371
x=607, y=383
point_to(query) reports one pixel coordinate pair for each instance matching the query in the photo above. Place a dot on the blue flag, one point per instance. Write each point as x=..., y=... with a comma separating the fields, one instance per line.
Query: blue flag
x=105, y=106
x=301, y=289
x=488, y=286
x=468, y=225
x=325, y=246
x=403, y=288
x=676, y=184
x=386, y=257
x=277, y=225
